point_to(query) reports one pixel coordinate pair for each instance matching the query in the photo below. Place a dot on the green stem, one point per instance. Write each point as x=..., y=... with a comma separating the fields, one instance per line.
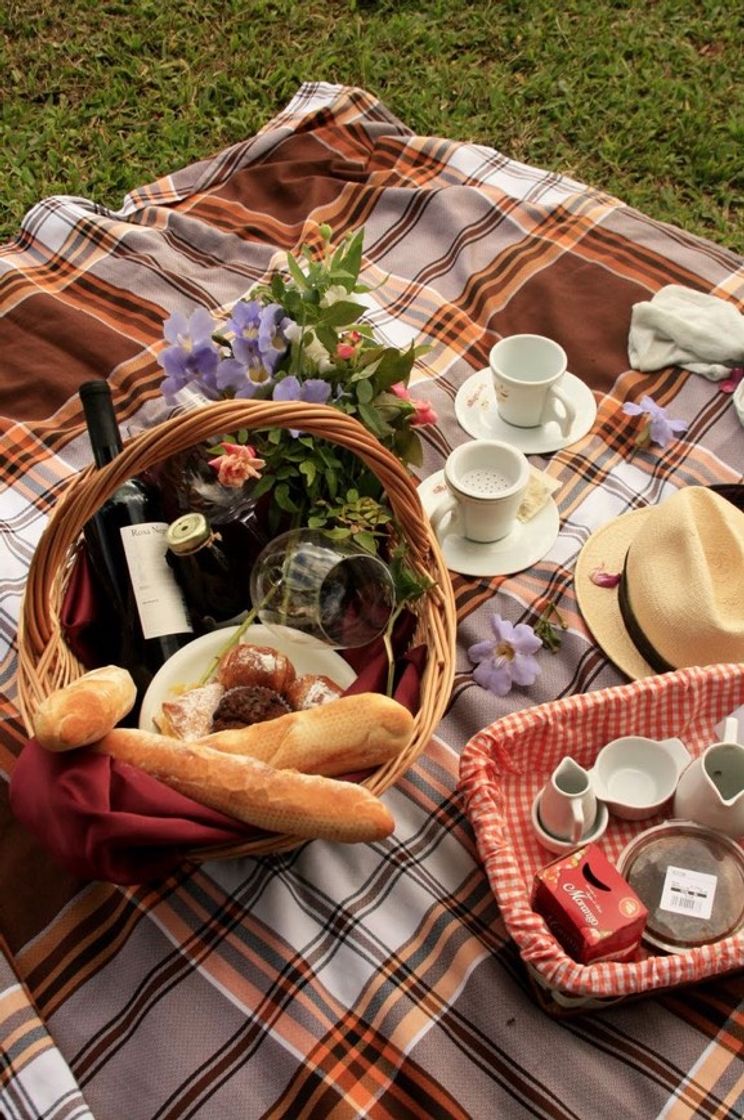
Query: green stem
x=234, y=638
x=232, y=641
x=387, y=639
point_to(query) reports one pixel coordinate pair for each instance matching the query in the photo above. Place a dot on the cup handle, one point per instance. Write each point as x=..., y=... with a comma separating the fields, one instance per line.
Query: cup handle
x=564, y=419
x=447, y=506
x=577, y=820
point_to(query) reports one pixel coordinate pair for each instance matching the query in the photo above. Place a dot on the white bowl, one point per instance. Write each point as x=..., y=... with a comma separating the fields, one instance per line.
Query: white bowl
x=636, y=777
x=560, y=847
x=185, y=668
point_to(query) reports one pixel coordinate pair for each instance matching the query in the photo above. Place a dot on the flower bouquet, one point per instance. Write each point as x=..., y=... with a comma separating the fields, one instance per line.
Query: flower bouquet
x=301, y=337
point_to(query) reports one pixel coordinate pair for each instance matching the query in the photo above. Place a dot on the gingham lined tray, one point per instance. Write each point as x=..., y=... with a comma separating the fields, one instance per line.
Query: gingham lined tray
x=505, y=765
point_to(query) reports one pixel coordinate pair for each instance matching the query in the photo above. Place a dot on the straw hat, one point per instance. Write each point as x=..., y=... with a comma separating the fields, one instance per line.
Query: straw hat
x=679, y=601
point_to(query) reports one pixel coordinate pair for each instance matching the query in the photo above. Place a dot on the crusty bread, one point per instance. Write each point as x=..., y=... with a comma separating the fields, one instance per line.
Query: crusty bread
x=81, y=712
x=302, y=805
x=347, y=734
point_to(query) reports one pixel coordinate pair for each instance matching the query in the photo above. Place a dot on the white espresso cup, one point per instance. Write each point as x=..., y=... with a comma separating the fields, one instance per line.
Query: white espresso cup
x=526, y=371
x=486, y=480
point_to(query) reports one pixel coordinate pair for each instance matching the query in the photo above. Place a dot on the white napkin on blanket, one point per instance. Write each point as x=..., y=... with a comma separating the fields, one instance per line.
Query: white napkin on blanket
x=682, y=327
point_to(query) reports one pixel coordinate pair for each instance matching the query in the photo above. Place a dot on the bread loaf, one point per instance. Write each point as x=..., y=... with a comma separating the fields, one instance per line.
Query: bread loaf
x=352, y=733
x=82, y=712
x=302, y=805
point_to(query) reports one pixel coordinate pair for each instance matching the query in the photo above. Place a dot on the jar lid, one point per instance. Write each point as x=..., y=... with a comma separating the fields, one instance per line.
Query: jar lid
x=691, y=879
x=187, y=533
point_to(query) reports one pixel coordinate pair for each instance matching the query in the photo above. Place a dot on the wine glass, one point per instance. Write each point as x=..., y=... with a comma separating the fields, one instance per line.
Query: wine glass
x=322, y=591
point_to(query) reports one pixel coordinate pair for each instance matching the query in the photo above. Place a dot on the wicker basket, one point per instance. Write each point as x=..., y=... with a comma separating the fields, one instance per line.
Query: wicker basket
x=46, y=663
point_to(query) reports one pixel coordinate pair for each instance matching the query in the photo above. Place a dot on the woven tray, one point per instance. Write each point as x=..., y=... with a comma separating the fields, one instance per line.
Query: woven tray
x=504, y=766
x=46, y=663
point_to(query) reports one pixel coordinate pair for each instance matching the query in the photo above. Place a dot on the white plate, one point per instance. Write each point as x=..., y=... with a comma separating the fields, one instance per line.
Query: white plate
x=187, y=666
x=475, y=409
x=527, y=543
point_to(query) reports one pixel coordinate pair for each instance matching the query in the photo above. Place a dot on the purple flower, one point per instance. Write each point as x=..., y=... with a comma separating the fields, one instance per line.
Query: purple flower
x=507, y=659
x=271, y=337
x=245, y=378
x=245, y=320
x=312, y=391
x=192, y=354
x=661, y=429
x=259, y=340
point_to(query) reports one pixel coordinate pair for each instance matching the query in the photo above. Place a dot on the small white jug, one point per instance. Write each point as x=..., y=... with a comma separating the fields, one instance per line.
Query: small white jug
x=568, y=804
x=711, y=790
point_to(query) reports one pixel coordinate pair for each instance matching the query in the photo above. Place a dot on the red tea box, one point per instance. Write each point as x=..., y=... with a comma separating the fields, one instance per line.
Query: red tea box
x=594, y=913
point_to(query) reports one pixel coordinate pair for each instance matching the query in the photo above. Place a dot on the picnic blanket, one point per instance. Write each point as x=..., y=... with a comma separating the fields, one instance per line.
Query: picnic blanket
x=370, y=980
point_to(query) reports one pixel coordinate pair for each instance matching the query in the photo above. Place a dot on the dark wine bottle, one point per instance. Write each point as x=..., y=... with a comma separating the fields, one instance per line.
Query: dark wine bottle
x=214, y=586
x=127, y=546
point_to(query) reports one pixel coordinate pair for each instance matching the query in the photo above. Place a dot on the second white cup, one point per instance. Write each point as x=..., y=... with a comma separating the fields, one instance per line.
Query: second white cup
x=486, y=480
x=526, y=371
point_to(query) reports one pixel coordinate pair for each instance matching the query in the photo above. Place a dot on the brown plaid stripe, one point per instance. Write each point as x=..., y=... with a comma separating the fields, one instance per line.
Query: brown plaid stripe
x=373, y=981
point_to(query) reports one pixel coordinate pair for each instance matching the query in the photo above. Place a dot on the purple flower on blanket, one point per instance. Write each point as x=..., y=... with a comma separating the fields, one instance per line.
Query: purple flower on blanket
x=192, y=354
x=659, y=428
x=507, y=658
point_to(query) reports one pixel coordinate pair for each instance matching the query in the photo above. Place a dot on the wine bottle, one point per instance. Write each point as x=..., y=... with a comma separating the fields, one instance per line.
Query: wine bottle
x=215, y=587
x=127, y=546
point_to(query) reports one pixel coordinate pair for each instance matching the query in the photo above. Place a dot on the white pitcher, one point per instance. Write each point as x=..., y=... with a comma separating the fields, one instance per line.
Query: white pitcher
x=711, y=790
x=568, y=804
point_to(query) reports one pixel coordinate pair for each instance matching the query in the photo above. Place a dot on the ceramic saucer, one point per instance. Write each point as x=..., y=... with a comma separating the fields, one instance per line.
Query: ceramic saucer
x=527, y=543
x=475, y=409
x=554, y=844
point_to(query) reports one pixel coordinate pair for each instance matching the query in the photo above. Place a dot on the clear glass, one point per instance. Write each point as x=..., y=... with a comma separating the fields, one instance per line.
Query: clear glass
x=322, y=591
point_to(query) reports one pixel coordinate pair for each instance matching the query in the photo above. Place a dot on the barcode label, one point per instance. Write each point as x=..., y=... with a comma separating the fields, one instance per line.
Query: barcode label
x=688, y=892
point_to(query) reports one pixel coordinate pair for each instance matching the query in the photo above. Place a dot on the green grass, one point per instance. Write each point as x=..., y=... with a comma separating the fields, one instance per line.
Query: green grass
x=641, y=99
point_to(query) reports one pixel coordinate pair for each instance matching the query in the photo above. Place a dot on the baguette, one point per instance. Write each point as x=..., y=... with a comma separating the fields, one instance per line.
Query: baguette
x=302, y=805
x=344, y=735
x=82, y=712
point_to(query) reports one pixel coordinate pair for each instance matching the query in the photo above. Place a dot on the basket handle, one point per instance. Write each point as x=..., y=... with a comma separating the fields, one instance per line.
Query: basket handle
x=88, y=491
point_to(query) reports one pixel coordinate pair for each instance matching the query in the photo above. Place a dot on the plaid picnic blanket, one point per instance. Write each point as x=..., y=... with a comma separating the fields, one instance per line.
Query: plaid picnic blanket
x=373, y=980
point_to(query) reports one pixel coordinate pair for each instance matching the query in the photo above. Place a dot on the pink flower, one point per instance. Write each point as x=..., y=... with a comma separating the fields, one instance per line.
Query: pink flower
x=236, y=464
x=603, y=578
x=348, y=346
x=423, y=411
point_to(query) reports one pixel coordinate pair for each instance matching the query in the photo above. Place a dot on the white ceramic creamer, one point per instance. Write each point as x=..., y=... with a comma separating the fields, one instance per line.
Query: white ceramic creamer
x=711, y=790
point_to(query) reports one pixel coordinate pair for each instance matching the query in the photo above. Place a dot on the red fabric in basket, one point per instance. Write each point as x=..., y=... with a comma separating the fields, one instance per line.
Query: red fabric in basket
x=104, y=819
x=503, y=768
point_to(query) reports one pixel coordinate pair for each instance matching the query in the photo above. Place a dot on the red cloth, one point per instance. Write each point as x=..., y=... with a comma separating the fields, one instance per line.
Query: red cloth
x=104, y=819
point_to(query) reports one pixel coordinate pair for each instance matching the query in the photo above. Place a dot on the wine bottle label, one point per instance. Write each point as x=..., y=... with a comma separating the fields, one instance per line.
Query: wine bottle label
x=159, y=601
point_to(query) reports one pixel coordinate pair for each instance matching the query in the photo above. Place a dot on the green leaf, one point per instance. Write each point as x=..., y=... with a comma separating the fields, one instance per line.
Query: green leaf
x=364, y=392
x=366, y=541
x=331, y=483
x=409, y=447
x=296, y=273
x=372, y=420
x=327, y=336
x=341, y=313
x=263, y=486
x=283, y=500
x=277, y=287
x=308, y=468
x=352, y=260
